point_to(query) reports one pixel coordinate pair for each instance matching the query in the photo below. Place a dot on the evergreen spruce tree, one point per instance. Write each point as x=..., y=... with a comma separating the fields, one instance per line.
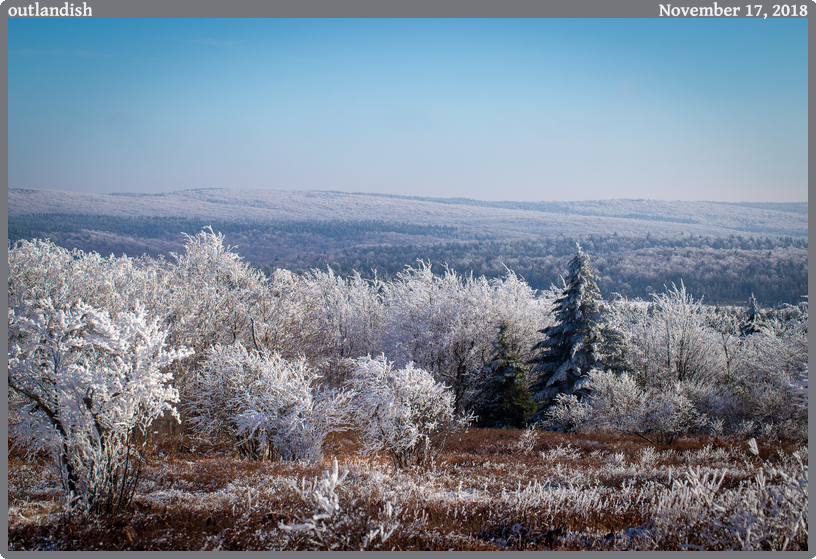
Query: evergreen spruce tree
x=753, y=321
x=579, y=341
x=504, y=399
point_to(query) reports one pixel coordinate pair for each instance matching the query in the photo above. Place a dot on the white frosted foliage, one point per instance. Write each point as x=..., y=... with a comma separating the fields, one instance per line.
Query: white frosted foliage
x=402, y=411
x=273, y=405
x=90, y=381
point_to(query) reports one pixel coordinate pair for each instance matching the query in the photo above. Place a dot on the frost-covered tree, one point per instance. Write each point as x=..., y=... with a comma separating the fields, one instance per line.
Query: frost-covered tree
x=283, y=318
x=346, y=316
x=580, y=339
x=446, y=323
x=799, y=389
x=44, y=274
x=404, y=412
x=753, y=321
x=214, y=294
x=90, y=381
x=271, y=406
x=725, y=323
x=501, y=397
x=688, y=349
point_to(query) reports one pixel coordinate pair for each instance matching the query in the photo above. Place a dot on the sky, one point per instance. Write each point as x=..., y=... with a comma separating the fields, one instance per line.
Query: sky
x=496, y=109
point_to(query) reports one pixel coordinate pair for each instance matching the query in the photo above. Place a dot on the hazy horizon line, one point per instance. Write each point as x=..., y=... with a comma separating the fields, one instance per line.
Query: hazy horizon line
x=405, y=196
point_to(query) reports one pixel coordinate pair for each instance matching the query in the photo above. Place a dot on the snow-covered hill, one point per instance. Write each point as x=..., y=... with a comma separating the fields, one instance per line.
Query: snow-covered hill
x=499, y=219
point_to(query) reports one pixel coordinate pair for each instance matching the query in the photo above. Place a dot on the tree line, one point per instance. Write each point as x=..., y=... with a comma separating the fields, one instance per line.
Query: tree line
x=164, y=227
x=632, y=267
x=722, y=270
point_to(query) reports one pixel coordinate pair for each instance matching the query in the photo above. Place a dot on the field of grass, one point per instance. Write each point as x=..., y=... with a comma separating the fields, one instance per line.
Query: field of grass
x=488, y=490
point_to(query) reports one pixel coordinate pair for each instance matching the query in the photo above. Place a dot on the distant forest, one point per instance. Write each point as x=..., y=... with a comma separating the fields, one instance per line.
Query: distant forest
x=584, y=208
x=722, y=270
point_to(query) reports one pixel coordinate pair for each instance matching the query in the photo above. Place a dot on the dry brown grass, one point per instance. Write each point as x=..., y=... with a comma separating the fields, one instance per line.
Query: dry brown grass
x=482, y=493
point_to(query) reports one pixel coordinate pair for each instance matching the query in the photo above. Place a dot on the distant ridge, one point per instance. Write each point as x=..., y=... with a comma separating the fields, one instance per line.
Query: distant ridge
x=494, y=218
x=556, y=206
x=794, y=207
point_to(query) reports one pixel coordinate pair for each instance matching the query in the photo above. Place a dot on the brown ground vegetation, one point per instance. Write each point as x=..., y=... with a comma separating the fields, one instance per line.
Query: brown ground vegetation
x=486, y=491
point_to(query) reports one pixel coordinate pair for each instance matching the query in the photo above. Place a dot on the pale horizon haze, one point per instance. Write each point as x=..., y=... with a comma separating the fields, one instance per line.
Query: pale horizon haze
x=492, y=109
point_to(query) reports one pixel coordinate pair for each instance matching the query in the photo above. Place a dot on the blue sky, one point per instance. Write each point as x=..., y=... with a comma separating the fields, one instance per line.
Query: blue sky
x=550, y=109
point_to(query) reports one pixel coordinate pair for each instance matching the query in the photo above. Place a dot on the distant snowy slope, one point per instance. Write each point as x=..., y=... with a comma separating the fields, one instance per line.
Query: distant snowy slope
x=502, y=219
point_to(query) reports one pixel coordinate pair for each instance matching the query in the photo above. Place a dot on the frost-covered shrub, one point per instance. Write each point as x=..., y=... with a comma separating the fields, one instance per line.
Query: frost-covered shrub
x=739, y=379
x=39, y=271
x=275, y=407
x=770, y=513
x=527, y=441
x=617, y=403
x=672, y=339
x=567, y=414
x=762, y=385
x=90, y=382
x=294, y=414
x=403, y=411
x=284, y=317
x=711, y=400
x=330, y=525
x=669, y=413
x=214, y=396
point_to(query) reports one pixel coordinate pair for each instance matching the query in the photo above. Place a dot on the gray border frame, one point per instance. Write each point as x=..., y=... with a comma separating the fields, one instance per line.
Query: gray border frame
x=350, y=8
